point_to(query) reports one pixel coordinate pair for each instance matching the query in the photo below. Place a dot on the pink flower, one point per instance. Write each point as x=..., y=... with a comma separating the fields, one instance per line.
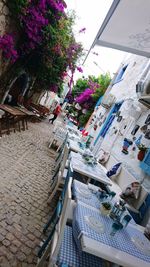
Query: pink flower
x=80, y=69
x=7, y=46
x=82, y=30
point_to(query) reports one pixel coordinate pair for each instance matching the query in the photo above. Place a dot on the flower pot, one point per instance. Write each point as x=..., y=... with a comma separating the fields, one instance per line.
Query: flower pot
x=104, y=211
x=141, y=155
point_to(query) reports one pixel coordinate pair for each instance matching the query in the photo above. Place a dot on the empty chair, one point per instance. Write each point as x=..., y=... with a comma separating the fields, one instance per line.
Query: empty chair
x=62, y=197
x=58, y=137
x=57, y=228
x=59, y=180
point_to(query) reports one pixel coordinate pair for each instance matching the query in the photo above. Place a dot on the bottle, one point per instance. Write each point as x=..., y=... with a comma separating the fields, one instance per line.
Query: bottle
x=147, y=230
x=121, y=208
x=114, y=212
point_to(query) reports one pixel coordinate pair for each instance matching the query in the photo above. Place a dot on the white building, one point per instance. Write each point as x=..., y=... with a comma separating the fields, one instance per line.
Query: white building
x=130, y=115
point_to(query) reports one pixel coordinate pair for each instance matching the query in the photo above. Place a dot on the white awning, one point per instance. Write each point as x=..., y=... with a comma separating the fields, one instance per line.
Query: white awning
x=126, y=27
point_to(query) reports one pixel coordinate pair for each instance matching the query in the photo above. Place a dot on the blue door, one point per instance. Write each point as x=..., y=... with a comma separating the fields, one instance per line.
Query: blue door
x=108, y=121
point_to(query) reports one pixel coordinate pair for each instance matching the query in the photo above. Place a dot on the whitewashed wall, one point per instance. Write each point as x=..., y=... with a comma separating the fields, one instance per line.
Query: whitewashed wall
x=126, y=87
x=133, y=115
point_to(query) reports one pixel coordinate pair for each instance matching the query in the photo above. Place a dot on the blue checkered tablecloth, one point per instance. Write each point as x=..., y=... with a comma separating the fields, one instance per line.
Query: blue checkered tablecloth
x=88, y=198
x=121, y=241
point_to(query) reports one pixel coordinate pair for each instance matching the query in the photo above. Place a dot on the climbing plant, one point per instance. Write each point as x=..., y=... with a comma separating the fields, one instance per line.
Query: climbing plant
x=44, y=42
x=86, y=93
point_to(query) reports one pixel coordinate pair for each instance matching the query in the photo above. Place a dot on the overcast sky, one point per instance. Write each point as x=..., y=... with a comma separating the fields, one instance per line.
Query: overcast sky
x=90, y=14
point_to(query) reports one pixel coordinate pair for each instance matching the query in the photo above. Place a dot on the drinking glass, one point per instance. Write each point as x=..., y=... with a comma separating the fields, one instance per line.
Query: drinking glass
x=116, y=226
x=102, y=195
x=111, y=195
x=126, y=219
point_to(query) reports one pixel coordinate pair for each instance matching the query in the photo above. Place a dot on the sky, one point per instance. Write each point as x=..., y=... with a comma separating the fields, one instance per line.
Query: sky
x=90, y=14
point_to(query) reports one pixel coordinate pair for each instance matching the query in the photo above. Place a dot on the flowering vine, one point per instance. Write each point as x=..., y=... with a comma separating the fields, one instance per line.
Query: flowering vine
x=46, y=37
x=87, y=92
x=7, y=46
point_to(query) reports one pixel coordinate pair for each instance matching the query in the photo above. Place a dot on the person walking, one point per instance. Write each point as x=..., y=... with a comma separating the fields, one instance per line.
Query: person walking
x=56, y=112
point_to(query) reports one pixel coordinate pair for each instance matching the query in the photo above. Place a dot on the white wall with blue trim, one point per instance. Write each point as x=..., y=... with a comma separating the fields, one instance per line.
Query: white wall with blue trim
x=133, y=113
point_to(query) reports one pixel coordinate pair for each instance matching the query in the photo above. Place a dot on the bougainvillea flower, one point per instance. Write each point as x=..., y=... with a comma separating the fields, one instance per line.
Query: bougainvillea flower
x=82, y=30
x=80, y=69
x=7, y=46
x=85, y=96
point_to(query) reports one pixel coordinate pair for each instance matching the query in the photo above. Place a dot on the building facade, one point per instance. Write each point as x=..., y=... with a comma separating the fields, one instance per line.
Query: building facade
x=124, y=121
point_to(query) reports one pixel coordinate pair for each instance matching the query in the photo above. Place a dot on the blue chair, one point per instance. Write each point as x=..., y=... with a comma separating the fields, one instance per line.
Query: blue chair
x=62, y=197
x=53, y=222
x=63, y=145
x=54, y=216
x=54, y=178
x=138, y=216
x=56, y=234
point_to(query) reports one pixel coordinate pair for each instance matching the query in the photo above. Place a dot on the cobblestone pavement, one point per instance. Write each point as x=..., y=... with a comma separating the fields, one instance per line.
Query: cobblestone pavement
x=25, y=171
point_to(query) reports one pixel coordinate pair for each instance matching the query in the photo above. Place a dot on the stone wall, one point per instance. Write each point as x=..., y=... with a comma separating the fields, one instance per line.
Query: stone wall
x=6, y=26
x=4, y=17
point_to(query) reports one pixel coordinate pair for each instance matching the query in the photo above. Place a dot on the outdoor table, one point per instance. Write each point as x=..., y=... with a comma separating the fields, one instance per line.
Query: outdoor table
x=26, y=111
x=74, y=137
x=27, y=114
x=74, y=146
x=83, y=192
x=73, y=130
x=95, y=238
x=95, y=172
x=14, y=115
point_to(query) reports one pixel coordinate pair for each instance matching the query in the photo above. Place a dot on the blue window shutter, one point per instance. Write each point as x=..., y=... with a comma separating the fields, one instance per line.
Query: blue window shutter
x=108, y=121
x=145, y=164
x=119, y=77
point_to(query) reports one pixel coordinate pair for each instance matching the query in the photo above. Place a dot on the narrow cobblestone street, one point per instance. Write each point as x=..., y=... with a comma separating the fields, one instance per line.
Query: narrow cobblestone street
x=25, y=172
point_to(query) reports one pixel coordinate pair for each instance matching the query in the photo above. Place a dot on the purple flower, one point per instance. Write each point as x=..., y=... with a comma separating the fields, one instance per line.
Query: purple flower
x=85, y=96
x=80, y=69
x=82, y=30
x=54, y=88
x=7, y=45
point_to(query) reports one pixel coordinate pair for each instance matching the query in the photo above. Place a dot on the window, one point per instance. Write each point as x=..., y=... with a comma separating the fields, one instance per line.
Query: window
x=119, y=77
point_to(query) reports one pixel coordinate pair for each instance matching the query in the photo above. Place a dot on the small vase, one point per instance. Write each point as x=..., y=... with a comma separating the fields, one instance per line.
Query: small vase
x=141, y=155
x=104, y=211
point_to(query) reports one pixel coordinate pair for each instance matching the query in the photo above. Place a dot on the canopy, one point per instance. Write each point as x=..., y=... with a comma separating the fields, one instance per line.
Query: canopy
x=126, y=27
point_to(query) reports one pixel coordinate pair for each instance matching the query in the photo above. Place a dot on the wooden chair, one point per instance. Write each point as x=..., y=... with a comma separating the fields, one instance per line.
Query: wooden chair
x=62, y=197
x=59, y=224
x=58, y=137
x=60, y=180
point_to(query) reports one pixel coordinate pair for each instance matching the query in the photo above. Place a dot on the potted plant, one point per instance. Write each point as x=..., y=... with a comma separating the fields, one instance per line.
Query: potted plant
x=105, y=208
x=142, y=150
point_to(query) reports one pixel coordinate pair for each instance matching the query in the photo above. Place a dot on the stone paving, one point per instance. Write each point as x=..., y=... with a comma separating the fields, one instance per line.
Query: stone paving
x=25, y=172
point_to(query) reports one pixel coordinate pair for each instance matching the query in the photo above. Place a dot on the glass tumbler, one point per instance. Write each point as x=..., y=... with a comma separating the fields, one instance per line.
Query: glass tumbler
x=116, y=226
x=126, y=219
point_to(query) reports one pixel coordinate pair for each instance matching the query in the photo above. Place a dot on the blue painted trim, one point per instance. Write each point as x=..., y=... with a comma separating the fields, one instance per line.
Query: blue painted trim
x=99, y=101
x=120, y=75
x=145, y=164
x=105, y=123
x=114, y=109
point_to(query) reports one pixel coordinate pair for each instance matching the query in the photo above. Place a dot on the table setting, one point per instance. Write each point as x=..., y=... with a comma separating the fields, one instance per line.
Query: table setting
x=91, y=171
x=90, y=194
x=92, y=229
x=88, y=158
